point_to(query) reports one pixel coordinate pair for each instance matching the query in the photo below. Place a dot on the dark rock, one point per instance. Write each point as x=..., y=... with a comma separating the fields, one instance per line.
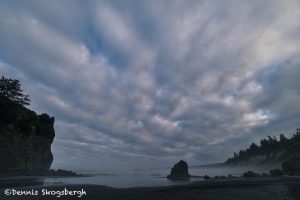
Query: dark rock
x=291, y=166
x=42, y=157
x=250, y=174
x=180, y=170
x=276, y=172
x=25, y=139
x=51, y=172
x=206, y=177
x=61, y=172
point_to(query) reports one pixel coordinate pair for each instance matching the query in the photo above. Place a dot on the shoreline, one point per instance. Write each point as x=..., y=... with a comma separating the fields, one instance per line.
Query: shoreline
x=241, y=188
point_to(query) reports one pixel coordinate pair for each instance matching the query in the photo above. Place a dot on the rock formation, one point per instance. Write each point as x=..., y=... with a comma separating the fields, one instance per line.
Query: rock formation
x=25, y=139
x=250, y=174
x=180, y=170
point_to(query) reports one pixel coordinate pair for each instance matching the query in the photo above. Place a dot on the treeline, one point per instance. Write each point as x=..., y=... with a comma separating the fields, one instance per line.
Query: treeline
x=13, y=112
x=12, y=105
x=268, y=147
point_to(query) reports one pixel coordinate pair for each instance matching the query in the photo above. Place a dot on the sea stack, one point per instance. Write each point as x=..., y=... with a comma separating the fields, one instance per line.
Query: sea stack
x=180, y=170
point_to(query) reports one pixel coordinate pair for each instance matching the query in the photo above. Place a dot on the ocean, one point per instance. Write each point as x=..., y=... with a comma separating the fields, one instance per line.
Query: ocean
x=135, y=178
x=149, y=177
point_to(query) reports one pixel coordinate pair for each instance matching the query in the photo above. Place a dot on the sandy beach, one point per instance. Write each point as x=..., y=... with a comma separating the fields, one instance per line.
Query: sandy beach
x=287, y=188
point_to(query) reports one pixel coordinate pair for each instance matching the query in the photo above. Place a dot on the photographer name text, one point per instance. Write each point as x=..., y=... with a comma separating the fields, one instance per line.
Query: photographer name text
x=45, y=192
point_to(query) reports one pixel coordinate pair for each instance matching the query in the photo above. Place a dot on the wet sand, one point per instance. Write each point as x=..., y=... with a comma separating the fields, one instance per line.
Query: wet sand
x=234, y=189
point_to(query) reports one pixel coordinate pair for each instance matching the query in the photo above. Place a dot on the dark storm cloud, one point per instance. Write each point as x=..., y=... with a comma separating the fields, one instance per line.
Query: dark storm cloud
x=146, y=81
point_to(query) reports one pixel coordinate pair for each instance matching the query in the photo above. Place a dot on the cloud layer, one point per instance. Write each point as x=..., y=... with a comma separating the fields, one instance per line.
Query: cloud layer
x=146, y=83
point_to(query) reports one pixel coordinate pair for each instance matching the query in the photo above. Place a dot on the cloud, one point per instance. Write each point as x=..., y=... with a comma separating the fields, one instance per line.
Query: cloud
x=149, y=83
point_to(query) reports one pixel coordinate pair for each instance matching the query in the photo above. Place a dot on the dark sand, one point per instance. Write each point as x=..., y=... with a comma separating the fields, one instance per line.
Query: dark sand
x=235, y=189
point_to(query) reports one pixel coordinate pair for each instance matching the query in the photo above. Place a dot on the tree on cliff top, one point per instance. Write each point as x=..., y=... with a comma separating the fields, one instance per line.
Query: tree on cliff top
x=11, y=90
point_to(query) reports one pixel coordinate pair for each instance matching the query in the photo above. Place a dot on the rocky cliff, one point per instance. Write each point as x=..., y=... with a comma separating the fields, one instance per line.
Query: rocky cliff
x=25, y=138
x=180, y=170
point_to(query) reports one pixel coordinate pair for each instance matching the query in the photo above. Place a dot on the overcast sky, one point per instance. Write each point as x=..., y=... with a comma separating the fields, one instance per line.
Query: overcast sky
x=140, y=84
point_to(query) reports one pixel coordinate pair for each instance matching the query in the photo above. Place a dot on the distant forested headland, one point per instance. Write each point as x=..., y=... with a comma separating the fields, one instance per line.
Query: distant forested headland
x=270, y=151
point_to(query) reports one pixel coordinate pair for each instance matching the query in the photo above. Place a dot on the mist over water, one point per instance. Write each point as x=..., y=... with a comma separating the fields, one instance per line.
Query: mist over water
x=224, y=171
x=149, y=177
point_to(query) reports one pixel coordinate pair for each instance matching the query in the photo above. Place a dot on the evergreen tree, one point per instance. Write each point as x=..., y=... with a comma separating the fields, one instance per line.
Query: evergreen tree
x=10, y=89
x=269, y=147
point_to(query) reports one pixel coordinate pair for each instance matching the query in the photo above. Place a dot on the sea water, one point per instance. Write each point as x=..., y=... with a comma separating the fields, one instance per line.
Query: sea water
x=134, y=178
x=146, y=178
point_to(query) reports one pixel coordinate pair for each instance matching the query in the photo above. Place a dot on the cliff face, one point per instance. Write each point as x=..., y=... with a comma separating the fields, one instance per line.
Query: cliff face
x=25, y=138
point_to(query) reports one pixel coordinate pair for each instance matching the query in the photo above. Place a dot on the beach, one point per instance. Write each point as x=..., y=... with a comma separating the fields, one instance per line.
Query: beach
x=266, y=188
